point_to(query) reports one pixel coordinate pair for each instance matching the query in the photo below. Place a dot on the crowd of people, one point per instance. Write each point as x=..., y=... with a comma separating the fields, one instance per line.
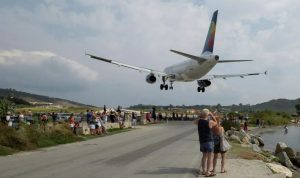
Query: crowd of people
x=212, y=143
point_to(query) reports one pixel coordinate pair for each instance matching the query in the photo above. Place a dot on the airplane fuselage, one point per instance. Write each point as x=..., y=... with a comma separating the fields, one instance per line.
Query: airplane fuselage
x=191, y=70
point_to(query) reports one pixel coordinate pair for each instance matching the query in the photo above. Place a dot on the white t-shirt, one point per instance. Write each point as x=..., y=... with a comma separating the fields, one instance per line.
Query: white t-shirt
x=8, y=118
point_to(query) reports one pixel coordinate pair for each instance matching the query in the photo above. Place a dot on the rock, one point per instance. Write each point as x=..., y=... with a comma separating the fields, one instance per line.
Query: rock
x=280, y=169
x=229, y=132
x=233, y=129
x=279, y=147
x=284, y=159
x=260, y=140
x=256, y=148
x=290, y=152
x=242, y=134
x=235, y=138
x=245, y=140
x=253, y=140
x=296, y=161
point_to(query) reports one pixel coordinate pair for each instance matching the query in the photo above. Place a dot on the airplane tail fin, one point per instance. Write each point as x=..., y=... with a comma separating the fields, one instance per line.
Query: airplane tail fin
x=210, y=38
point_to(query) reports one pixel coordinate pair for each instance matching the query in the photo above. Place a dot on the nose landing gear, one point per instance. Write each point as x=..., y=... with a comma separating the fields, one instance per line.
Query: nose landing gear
x=201, y=89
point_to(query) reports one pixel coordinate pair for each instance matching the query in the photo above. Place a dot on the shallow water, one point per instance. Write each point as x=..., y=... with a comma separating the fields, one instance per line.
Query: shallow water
x=275, y=135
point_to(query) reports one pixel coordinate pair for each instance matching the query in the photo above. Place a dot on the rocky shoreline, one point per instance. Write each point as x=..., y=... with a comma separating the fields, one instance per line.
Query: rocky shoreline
x=282, y=160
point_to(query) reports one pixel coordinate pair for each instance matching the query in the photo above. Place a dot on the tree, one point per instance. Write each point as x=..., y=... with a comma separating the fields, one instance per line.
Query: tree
x=297, y=106
x=5, y=106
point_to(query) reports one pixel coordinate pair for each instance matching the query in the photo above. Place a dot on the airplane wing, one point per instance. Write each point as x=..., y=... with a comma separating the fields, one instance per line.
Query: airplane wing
x=210, y=77
x=224, y=61
x=140, y=69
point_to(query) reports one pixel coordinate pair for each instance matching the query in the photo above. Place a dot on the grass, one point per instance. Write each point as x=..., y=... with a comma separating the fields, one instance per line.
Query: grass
x=238, y=151
x=32, y=137
x=6, y=150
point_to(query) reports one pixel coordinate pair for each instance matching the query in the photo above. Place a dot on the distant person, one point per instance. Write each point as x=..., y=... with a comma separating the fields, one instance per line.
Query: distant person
x=88, y=117
x=21, y=117
x=133, y=120
x=119, y=110
x=81, y=117
x=72, y=123
x=8, y=119
x=257, y=122
x=154, y=114
x=121, y=121
x=104, y=109
x=218, y=133
x=246, y=126
x=173, y=115
x=206, y=140
x=103, y=124
x=29, y=118
x=160, y=117
x=286, y=130
x=148, y=117
x=44, y=119
x=112, y=117
x=98, y=126
x=54, y=117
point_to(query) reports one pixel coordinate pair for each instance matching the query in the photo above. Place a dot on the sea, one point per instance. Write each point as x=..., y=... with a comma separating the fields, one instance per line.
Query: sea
x=272, y=136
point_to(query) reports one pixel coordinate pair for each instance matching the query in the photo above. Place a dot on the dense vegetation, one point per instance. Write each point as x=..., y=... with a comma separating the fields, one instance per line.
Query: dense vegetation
x=31, y=137
x=271, y=117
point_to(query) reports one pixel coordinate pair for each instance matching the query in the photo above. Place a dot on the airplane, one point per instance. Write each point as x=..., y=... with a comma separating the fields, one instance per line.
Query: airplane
x=195, y=68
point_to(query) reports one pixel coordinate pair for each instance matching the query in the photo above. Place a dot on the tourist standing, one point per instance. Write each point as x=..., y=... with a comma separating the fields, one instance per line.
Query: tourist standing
x=8, y=119
x=218, y=134
x=148, y=117
x=246, y=126
x=206, y=140
x=72, y=123
x=88, y=117
x=133, y=120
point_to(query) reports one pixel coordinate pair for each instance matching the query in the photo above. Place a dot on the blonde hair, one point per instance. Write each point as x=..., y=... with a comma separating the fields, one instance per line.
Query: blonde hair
x=205, y=111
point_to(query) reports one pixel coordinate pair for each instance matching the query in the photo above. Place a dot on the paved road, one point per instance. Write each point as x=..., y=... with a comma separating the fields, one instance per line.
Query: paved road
x=164, y=150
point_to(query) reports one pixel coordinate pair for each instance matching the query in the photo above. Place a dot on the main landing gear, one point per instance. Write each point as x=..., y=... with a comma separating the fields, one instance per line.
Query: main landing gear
x=164, y=86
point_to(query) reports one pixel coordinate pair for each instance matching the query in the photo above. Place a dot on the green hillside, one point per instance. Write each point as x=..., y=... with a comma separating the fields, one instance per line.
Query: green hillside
x=28, y=97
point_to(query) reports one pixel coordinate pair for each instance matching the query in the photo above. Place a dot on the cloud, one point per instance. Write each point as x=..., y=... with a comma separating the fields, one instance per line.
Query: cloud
x=43, y=71
x=141, y=33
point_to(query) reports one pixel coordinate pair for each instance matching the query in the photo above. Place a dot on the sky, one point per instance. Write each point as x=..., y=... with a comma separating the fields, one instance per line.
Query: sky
x=43, y=43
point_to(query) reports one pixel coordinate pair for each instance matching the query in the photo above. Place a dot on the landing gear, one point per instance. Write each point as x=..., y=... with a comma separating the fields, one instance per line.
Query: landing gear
x=201, y=89
x=164, y=86
x=171, y=85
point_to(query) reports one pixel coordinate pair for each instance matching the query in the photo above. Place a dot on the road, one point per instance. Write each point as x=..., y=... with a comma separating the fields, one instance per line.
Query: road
x=162, y=150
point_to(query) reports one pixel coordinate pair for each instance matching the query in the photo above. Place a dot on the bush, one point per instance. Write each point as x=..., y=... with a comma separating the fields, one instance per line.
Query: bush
x=271, y=118
x=227, y=124
x=30, y=137
x=12, y=138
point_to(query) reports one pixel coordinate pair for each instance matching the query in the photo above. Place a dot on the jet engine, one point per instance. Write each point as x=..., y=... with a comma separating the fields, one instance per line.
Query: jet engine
x=150, y=78
x=216, y=57
x=203, y=83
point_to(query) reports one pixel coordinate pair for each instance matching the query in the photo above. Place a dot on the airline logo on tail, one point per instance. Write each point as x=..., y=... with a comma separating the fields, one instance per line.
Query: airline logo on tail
x=209, y=43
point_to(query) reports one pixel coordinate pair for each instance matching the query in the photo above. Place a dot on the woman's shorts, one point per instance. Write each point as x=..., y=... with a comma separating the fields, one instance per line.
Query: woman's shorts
x=217, y=149
x=207, y=147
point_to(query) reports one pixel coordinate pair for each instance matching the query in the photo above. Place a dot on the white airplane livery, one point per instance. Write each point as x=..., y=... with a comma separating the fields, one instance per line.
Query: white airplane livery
x=195, y=68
